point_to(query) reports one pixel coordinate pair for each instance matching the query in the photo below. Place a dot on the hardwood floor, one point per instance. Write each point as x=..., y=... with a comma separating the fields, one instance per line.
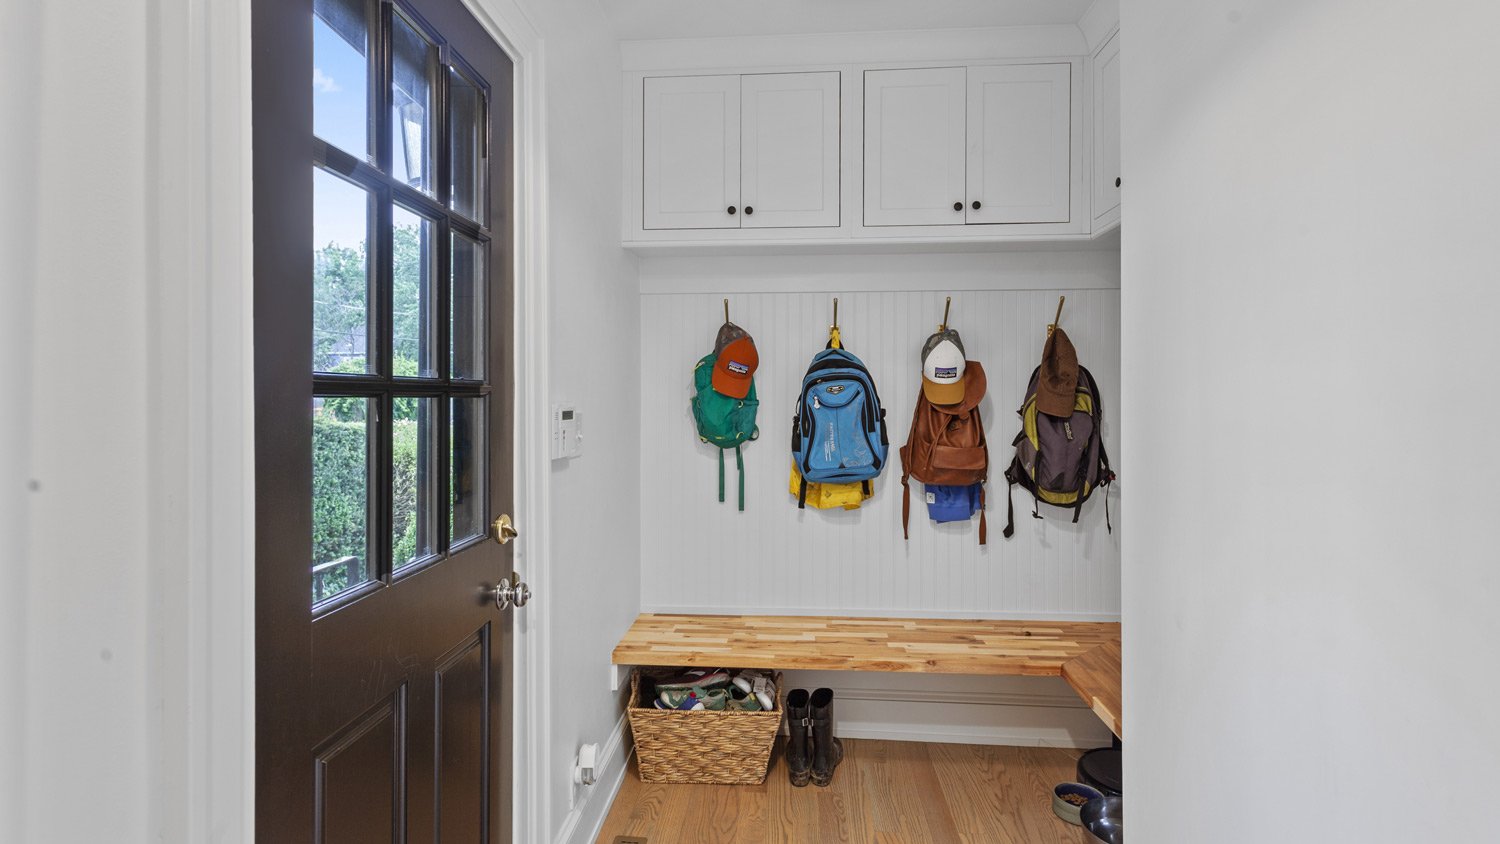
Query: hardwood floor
x=885, y=792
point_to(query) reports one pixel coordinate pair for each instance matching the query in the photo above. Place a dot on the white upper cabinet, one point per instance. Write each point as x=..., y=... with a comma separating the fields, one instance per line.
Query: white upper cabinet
x=691, y=162
x=753, y=151
x=952, y=139
x=1107, y=134
x=915, y=147
x=1019, y=143
x=982, y=144
x=789, y=150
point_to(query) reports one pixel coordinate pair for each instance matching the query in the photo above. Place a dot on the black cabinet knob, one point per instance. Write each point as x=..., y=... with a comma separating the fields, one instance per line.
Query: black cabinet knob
x=976, y=205
x=749, y=210
x=731, y=209
x=1117, y=181
x=958, y=206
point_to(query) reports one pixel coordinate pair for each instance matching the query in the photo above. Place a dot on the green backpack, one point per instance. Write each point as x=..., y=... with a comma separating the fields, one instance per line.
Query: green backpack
x=723, y=421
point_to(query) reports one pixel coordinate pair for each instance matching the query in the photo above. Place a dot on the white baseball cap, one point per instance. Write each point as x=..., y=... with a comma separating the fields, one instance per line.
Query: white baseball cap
x=943, y=368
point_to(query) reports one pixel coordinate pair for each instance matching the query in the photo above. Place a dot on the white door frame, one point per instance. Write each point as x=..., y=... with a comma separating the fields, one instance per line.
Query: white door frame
x=203, y=771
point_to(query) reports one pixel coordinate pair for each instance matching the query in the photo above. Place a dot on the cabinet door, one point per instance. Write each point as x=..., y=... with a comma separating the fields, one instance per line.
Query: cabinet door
x=1107, y=132
x=789, y=149
x=1020, y=126
x=914, y=147
x=692, y=152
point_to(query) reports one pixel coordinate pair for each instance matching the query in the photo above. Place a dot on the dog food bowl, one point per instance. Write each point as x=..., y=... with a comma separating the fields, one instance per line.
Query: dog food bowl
x=1066, y=810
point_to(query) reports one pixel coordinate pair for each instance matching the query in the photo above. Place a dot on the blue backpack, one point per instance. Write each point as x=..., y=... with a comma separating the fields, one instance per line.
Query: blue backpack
x=838, y=434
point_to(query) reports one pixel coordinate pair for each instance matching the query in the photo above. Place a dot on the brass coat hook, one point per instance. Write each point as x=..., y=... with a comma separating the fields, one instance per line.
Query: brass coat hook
x=1056, y=320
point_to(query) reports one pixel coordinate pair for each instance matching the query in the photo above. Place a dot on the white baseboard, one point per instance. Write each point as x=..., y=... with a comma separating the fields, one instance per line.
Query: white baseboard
x=875, y=612
x=582, y=825
x=1015, y=711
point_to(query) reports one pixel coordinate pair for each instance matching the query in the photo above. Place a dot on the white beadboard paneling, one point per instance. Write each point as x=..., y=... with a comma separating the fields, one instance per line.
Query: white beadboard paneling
x=702, y=556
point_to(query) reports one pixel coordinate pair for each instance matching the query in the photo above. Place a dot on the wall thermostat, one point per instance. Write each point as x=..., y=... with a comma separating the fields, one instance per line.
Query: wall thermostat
x=567, y=432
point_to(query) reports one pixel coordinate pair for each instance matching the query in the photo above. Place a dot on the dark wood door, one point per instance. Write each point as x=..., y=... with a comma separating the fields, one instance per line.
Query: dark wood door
x=383, y=250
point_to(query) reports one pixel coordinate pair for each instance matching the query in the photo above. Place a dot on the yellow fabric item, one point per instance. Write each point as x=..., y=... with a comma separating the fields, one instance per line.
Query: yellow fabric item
x=1081, y=402
x=829, y=496
x=1061, y=499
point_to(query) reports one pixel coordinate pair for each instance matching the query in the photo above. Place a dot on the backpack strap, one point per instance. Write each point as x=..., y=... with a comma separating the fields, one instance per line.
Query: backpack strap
x=1010, y=506
x=801, y=491
x=983, y=527
x=740, y=460
x=721, y=475
x=905, y=507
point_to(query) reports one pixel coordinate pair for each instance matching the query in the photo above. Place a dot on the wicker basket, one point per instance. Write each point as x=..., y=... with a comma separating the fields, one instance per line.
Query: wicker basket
x=702, y=746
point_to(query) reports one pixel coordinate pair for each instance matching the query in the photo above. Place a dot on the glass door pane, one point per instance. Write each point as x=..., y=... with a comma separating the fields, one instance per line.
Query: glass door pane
x=414, y=479
x=468, y=442
x=413, y=71
x=468, y=350
x=341, y=75
x=413, y=294
x=341, y=275
x=341, y=500
x=466, y=145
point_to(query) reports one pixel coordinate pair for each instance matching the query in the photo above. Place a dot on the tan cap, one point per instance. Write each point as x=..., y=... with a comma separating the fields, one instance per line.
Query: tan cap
x=1057, y=383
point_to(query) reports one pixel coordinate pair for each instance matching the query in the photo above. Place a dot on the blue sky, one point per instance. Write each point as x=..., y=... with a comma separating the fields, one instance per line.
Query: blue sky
x=339, y=117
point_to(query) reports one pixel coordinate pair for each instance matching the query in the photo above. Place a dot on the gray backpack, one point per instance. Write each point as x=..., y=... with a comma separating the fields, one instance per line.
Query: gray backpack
x=1060, y=461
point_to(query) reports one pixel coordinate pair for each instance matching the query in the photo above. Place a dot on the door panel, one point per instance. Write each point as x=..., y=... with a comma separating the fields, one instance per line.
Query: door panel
x=1107, y=129
x=361, y=775
x=692, y=152
x=1020, y=119
x=914, y=146
x=384, y=422
x=461, y=690
x=789, y=150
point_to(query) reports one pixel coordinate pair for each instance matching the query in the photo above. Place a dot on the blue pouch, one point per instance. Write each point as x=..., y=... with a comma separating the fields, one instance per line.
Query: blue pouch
x=951, y=503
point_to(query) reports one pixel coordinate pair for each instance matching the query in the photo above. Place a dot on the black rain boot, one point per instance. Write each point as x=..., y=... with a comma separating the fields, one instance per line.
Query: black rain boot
x=798, y=759
x=828, y=751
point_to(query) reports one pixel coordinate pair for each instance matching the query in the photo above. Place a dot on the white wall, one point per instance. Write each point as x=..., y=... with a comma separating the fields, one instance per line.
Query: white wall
x=1309, y=347
x=701, y=556
x=78, y=603
x=594, y=581
x=125, y=446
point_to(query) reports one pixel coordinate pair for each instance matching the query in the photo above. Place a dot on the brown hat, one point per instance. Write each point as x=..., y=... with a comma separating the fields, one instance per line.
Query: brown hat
x=736, y=361
x=1057, y=383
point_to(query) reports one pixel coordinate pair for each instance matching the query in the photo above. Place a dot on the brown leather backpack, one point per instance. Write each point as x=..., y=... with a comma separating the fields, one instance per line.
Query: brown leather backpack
x=946, y=445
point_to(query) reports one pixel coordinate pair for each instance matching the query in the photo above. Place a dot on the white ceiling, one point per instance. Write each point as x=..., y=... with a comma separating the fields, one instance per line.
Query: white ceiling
x=639, y=19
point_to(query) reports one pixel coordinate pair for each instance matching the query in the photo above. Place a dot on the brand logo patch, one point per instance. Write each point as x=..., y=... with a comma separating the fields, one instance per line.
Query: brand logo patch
x=738, y=368
x=945, y=372
x=835, y=389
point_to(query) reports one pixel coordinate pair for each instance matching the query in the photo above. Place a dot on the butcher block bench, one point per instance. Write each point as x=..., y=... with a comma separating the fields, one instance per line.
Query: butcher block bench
x=831, y=643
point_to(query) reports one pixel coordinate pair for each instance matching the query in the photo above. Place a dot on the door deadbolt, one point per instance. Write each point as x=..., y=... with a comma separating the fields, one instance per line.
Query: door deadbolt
x=505, y=529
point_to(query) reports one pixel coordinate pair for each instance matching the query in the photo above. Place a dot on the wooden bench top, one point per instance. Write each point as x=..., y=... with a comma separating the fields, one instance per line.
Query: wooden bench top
x=1095, y=676
x=930, y=645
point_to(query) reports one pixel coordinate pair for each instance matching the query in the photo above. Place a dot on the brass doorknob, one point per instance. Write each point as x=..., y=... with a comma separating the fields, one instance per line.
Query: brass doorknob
x=505, y=530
